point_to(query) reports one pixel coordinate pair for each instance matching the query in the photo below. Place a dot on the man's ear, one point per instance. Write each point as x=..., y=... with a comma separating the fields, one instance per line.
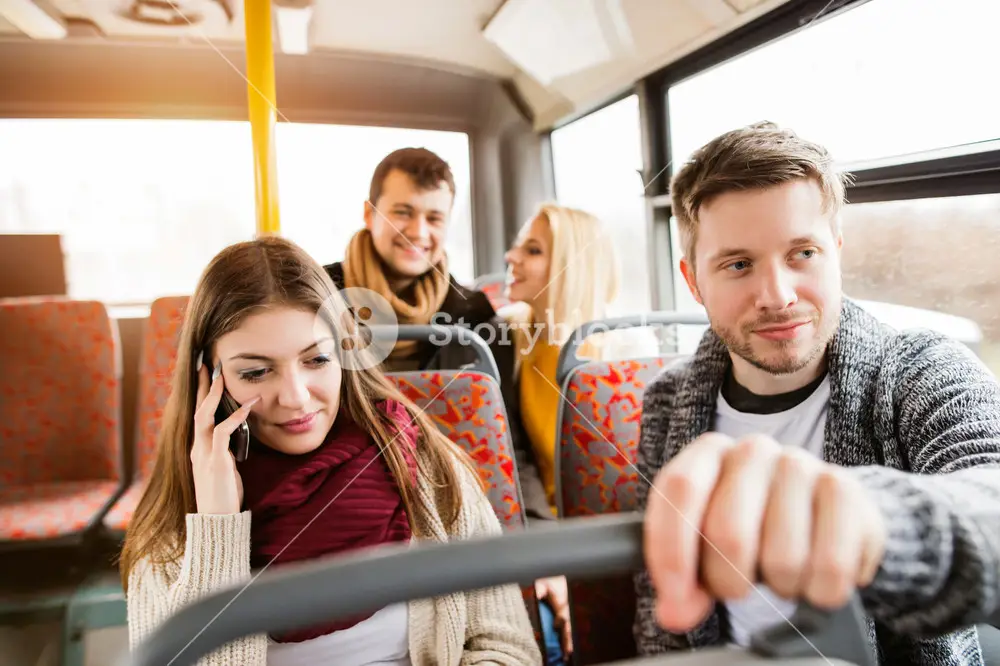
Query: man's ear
x=838, y=233
x=687, y=270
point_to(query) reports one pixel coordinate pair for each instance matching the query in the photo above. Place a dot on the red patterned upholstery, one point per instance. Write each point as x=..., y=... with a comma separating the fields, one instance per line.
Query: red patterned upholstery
x=121, y=513
x=60, y=397
x=156, y=369
x=468, y=408
x=51, y=510
x=494, y=292
x=493, y=284
x=599, y=436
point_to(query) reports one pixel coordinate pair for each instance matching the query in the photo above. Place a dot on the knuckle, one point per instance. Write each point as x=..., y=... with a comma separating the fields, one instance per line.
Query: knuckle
x=793, y=463
x=834, y=577
x=828, y=565
x=831, y=487
x=760, y=444
x=713, y=439
x=782, y=569
x=678, y=488
x=752, y=447
x=725, y=578
x=828, y=596
x=203, y=419
x=725, y=536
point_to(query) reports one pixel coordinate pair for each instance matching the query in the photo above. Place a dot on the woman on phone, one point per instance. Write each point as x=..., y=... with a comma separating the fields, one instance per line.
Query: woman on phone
x=337, y=460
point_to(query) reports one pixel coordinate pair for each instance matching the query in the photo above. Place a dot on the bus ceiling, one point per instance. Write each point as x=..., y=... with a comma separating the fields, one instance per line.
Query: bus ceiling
x=561, y=57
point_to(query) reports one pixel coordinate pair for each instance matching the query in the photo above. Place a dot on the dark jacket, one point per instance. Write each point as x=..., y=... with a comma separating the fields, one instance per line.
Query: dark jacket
x=473, y=309
x=460, y=304
x=917, y=417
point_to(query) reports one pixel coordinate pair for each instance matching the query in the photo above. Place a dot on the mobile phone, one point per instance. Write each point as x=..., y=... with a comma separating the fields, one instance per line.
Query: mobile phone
x=239, y=441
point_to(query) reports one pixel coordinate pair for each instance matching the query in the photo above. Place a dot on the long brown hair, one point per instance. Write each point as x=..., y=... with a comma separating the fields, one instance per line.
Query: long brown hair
x=240, y=281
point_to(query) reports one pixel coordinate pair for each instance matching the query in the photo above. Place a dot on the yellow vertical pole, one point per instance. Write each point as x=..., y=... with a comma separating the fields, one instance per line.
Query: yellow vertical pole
x=263, y=109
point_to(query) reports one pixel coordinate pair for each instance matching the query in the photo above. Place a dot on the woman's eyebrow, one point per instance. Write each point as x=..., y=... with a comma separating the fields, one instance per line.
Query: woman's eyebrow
x=260, y=357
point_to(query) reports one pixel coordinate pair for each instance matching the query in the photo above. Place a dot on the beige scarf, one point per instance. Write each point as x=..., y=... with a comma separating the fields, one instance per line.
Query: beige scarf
x=364, y=268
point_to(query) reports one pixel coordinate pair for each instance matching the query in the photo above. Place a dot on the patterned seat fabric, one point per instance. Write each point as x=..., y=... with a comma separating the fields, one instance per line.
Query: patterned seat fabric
x=60, y=396
x=492, y=284
x=494, y=292
x=120, y=514
x=469, y=409
x=51, y=510
x=156, y=370
x=599, y=437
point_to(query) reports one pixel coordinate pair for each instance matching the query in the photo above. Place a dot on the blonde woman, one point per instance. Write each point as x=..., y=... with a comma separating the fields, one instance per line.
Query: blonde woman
x=562, y=273
x=333, y=459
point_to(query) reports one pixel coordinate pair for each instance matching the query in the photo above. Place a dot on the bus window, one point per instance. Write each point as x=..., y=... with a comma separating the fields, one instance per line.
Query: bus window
x=883, y=79
x=877, y=85
x=938, y=255
x=914, y=263
x=143, y=205
x=597, y=161
x=324, y=172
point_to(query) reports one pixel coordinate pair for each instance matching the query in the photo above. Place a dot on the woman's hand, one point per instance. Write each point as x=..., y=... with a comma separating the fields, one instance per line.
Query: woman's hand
x=554, y=591
x=218, y=488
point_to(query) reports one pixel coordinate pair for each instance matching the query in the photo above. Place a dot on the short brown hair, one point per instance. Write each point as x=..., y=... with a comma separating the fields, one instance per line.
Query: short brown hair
x=425, y=168
x=757, y=156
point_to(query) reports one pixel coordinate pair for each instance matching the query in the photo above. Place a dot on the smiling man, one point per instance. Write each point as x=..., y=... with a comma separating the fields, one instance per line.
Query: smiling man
x=805, y=450
x=400, y=253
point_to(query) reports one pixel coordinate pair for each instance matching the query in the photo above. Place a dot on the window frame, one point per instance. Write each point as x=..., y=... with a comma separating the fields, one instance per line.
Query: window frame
x=657, y=289
x=946, y=172
x=105, y=114
x=949, y=172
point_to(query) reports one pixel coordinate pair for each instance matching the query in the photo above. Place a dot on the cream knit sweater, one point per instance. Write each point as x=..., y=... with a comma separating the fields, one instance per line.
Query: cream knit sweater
x=488, y=626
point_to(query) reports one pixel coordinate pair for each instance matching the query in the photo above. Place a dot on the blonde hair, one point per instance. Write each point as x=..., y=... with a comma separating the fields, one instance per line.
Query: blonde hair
x=758, y=156
x=583, y=277
x=242, y=280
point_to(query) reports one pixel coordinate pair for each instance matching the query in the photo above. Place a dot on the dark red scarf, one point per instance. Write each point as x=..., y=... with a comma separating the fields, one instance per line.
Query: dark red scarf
x=345, y=485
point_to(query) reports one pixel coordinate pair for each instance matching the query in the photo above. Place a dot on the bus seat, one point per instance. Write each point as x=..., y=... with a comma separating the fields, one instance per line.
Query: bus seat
x=598, y=438
x=492, y=285
x=156, y=369
x=61, y=465
x=468, y=407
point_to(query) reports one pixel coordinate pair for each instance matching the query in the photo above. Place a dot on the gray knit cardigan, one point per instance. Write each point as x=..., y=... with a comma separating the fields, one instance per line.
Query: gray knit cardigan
x=917, y=417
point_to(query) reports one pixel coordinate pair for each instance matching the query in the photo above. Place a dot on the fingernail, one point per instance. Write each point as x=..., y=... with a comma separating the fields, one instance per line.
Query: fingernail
x=199, y=362
x=251, y=402
x=217, y=371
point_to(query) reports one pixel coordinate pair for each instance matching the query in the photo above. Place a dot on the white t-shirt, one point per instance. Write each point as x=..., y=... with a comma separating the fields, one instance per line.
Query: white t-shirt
x=802, y=425
x=381, y=640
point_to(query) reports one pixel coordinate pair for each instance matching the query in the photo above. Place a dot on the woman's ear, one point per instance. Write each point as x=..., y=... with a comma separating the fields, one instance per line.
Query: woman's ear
x=369, y=215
